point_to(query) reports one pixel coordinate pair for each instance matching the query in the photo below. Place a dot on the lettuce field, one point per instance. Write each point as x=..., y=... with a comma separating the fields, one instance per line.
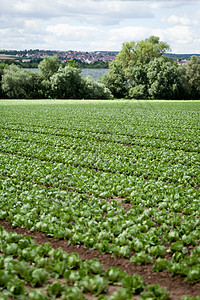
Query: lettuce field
x=99, y=200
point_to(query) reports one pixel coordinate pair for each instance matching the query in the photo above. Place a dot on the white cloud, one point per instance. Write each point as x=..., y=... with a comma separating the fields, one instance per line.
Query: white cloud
x=98, y=24
x=182, y=20
x=75, y=8
x=73, y=33
x=172, y=3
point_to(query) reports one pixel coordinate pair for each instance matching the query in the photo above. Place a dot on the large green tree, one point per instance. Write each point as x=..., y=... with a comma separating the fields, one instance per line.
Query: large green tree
x=18, y=83
x=2, y=67
x=66, y=83
x=48, y=66
x=190, y=78
x=163, y=79
x=139, y=70
x=143, y=51
x=116, y=80
x=95, y=90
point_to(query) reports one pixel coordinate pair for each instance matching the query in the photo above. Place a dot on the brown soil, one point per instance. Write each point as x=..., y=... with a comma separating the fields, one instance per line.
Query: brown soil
x=177, y=286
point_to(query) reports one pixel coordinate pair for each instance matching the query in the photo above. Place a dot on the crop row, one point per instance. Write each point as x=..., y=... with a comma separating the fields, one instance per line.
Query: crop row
x=23, y=265
x=99, y=161
x=135, y=152
x=148, y=131
x=122, y=117
x=88, y=180
x=189, y=146
x=145, y=235
x=62, y=166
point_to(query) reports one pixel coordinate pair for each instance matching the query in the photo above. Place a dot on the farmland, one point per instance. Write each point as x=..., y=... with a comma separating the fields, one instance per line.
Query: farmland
x=5, y=56
x=109, y=190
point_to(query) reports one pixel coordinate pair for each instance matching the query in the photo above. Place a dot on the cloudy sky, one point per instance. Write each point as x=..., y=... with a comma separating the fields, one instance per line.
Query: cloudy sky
x=90, y=25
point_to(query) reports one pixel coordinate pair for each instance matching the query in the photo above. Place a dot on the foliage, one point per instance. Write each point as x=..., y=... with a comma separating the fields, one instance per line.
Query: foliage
x=61, y=161
x=94, y=90
x=134, y=283
x=48, y=67
x=121, y=294
x=155, y=292
x=2, y=67
x=190, y=78
x=52, y=81
x=18, y=83
x=141, y=258
x=163, y=79
x=141, y=71
x=142, y=51
x=114, y=275
x=115, y=80
x=94, y=285
x=66, y=83
x=76, y=274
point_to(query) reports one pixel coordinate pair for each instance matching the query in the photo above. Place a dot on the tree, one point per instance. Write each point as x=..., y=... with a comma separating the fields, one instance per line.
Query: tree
x=2, y=67
x=141, y=52
x=137, y=81
x=115, y=80
x=48, y=67
x=127, y=76
x=66, y=83
x=190, y=78
x=95, y=90
x=17, y=83
x=163, y=79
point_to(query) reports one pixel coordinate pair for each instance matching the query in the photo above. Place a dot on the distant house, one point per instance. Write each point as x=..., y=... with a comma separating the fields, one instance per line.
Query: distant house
x=181, y=61
x=26, y=60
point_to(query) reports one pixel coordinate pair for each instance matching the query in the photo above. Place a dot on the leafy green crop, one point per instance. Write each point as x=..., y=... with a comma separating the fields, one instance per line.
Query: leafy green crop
x=134, y=283
x=155, y=292
x=68, y=169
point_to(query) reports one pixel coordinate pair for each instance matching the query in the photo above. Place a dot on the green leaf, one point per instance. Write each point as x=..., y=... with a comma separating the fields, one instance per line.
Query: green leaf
x=94, y=285
x=73, y=293
x=155, y=292
x=39, y=277
x=177, y=246
x=5, y=277
x=121, y=294
x=161, y=265
x=93, y=266
x=55, y=289
x=73, y=261
x=141, y=258
x=156, y=250
x=37, y=294
x=114, y=275
x=134, y=283
x=193, y=275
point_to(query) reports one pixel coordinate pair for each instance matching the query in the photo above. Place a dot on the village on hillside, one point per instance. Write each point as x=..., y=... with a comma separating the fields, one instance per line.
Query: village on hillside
x=64, y=56
x=93, y=59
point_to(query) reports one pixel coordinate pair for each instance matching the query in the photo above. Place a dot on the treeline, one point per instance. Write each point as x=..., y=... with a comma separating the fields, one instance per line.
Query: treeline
x=95, y=65
x=140, y=71
x=186, y=56
x=52, y=81
x=34, y=63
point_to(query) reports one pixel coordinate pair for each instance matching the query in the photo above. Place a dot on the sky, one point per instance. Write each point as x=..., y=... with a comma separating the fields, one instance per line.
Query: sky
x=98, y=25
